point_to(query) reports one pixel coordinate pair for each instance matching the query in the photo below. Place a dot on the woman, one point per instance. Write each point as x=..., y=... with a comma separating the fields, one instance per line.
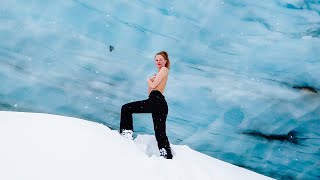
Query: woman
x=155, y=104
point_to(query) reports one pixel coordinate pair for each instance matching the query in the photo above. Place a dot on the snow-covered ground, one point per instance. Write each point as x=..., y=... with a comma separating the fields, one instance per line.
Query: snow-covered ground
x=42, y=146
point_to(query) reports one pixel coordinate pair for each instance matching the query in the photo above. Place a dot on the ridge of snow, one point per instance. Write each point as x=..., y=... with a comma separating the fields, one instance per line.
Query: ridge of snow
x=43, y=146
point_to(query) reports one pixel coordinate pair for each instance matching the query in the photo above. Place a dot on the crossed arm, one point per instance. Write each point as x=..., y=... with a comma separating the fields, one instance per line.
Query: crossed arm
x=154, y=81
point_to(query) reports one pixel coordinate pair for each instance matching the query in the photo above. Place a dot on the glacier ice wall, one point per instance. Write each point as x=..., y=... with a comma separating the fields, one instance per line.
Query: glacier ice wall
x=244, y=84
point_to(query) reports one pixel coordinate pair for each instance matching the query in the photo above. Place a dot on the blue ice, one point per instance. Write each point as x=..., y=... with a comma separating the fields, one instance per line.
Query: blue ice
x=244, y=84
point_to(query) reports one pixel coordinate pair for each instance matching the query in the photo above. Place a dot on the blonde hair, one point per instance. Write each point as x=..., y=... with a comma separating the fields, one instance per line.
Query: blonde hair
x=164, y=54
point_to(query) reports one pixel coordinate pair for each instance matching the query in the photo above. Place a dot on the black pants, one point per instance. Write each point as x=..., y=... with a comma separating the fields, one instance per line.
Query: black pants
x=155, y=104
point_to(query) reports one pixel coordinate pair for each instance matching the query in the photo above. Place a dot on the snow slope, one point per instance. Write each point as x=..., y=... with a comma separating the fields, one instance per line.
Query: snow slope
x=42, y=146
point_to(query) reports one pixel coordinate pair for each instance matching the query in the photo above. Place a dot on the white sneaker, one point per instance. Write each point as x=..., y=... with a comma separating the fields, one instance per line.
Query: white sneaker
x=127, y=134
x=163, y=152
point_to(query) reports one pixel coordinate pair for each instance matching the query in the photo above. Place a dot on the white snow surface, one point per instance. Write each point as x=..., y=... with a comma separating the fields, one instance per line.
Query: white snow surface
x=36, y=146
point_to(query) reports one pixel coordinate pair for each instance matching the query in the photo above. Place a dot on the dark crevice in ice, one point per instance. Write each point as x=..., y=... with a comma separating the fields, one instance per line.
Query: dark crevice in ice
x=290, y=137
x=306, y=88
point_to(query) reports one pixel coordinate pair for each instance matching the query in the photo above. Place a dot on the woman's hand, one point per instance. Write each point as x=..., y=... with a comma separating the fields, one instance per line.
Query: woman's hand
x=152, y=78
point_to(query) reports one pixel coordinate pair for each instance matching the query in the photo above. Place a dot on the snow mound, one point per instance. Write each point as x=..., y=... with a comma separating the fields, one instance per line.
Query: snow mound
x=42, y=146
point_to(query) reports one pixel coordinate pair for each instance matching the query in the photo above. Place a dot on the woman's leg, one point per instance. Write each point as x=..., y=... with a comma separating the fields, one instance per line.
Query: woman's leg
x=144, y=106
x=159, y=121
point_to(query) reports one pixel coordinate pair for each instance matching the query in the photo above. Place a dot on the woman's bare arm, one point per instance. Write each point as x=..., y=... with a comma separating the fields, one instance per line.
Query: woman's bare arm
x=162, y=73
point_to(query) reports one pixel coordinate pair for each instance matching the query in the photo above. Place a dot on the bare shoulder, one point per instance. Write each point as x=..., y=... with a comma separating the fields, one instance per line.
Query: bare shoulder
x=164, y=69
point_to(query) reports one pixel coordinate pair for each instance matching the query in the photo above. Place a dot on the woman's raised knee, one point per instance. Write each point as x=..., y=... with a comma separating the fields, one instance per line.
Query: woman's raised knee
x=125, y=108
